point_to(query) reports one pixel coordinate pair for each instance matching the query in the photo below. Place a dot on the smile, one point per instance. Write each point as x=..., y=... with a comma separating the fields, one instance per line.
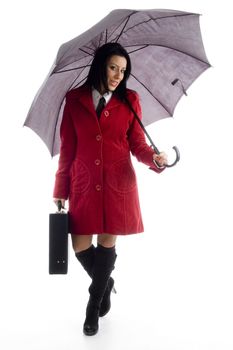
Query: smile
x=113, y=83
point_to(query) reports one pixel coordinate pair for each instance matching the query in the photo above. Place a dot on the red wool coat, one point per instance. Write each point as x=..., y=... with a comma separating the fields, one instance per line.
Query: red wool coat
x=95, y=171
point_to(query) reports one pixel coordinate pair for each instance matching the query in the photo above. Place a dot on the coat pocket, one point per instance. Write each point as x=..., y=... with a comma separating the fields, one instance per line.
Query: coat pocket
x=121, y=176
x=80, y=177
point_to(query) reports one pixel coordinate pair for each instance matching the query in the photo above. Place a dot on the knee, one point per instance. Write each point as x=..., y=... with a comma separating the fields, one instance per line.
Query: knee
x=107, y=241
x=81, y=243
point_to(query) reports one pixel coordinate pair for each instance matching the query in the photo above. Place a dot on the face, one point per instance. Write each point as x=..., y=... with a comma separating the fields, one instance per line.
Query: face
x=116, y=67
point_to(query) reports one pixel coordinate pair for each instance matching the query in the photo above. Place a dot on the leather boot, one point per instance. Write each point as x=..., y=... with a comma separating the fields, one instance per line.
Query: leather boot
x=87, y=258
x=102, y=269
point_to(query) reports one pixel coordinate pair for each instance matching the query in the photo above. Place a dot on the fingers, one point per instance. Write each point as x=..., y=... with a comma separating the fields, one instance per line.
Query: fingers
x=160, y=158
x=59, y=199
x=163, y=157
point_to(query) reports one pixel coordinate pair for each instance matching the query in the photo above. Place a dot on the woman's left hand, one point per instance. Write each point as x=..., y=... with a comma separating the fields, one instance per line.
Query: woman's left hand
x=160, y=158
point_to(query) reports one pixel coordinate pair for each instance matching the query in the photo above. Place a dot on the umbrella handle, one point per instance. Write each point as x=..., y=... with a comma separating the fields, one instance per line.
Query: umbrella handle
x=175, y=161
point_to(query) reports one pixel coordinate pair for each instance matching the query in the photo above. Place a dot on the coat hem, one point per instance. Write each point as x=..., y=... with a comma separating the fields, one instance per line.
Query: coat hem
x=109, y=233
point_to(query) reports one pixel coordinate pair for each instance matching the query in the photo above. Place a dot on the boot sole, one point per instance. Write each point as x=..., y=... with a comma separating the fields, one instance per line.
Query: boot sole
x=90, y=332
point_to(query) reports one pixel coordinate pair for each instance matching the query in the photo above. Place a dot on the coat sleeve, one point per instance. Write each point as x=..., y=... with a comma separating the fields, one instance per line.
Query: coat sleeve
x=67, y=155
x=137, y=142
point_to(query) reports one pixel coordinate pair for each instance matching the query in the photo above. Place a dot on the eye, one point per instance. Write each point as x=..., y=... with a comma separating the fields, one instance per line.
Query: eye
x=113, y=67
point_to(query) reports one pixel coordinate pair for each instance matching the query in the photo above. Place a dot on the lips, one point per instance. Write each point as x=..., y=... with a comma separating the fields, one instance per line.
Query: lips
x=114, y=83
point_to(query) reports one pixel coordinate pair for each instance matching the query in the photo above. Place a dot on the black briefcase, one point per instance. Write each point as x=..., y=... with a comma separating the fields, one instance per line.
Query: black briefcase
x=58, y=242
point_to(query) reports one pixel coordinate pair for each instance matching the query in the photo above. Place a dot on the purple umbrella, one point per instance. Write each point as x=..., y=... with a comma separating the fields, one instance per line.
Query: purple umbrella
x=167, y=54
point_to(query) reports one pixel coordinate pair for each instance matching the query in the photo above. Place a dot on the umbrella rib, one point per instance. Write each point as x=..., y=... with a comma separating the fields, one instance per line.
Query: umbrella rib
x=79, y=59
x=68, y=70
x=100, y=39
x=152, y=94
x=120, y=25
x=106, y=36
x=88, y=47
x=140, y=48
x=171, y=48
x=79, y=82
x=127, y=20
x=158, y=18
x=81, y=49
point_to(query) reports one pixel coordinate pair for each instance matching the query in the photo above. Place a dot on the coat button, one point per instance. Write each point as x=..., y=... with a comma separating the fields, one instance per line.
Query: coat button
x=106, y=113
x=97, y=162
x=98, y=137
x=98, y=187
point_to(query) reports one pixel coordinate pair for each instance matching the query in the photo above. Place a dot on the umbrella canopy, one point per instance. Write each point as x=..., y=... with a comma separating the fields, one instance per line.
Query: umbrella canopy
x=167, y=55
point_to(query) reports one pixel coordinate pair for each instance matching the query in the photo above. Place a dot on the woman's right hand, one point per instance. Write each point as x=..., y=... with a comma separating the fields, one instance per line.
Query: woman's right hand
x=60, y=199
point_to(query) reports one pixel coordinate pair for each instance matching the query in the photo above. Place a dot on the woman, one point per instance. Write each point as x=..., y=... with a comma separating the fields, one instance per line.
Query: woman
x=95, y=171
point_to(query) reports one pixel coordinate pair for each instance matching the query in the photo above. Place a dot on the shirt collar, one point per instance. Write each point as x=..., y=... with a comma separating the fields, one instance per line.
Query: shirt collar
x=96, y=96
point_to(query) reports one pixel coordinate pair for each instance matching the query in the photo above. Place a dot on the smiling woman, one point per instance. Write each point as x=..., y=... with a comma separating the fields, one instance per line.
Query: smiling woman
x=174, y=281
x=116, y=68
x=95, y=172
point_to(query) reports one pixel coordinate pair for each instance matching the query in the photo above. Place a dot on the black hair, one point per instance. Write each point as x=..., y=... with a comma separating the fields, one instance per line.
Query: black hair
x=97, y=75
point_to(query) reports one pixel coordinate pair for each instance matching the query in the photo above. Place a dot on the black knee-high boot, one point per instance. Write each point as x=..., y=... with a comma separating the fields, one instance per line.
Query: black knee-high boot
x=102, y=269
x=87, y=258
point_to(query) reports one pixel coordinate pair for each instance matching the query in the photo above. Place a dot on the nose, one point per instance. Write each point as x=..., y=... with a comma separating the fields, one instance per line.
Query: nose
x=118, y=74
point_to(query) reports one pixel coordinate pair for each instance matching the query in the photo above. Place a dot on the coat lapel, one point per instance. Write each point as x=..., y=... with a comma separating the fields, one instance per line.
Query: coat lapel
x=113, y=103
x=84, y=96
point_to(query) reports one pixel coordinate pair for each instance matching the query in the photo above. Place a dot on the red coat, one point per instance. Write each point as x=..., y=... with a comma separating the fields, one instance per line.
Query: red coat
x=95, y=170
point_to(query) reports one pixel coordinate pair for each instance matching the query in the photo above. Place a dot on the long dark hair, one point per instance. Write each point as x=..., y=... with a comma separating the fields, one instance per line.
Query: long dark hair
x=97, y=75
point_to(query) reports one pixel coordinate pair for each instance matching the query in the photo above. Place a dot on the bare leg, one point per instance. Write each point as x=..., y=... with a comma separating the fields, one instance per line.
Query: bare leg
x=81, y=242
x=107, y=240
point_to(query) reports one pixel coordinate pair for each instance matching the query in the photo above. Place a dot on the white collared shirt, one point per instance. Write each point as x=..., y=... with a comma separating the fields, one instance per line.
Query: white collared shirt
x=96, y=96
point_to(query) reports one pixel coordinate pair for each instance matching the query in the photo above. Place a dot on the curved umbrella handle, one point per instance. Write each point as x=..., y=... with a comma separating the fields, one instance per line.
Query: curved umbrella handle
x=175, y=161
x=177, y=157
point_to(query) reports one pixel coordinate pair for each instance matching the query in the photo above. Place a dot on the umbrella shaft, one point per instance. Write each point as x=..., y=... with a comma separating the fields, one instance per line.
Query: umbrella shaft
x=143, y=127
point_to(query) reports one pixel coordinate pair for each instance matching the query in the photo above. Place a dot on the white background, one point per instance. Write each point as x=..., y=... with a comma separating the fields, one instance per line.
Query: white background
x=174, y=282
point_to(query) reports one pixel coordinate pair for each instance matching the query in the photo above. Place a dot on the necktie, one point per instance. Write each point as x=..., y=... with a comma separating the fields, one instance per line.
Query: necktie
x=100, y=106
